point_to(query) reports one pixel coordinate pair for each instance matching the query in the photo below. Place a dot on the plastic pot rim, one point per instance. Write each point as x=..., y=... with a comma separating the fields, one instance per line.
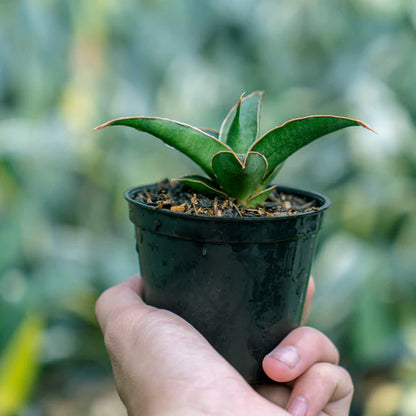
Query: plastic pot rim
x=324, y=200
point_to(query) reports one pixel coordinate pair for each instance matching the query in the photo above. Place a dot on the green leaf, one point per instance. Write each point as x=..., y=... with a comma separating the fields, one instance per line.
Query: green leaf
x=241, y=126
x=212, y=132
x=259, y=198
x=272, y=174
x=239, y=179
x=19, y=365
x=200, y=184
x=235, y=131
x=193, y=142
x=279, y=143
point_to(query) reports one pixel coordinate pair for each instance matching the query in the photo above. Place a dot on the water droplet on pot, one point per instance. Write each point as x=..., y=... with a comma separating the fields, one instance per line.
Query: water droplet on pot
x=204, y=251
x=170, y=147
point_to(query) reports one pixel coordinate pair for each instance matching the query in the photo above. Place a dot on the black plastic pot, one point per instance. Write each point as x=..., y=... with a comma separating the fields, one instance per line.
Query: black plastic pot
x=240, y=281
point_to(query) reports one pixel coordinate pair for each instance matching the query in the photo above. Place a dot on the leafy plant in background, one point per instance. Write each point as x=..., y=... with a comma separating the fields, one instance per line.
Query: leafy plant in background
x=238, y=162
x=19, y=365
x=35, y=96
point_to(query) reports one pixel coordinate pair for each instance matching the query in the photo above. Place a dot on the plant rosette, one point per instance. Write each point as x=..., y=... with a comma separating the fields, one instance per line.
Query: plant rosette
x=240, y=279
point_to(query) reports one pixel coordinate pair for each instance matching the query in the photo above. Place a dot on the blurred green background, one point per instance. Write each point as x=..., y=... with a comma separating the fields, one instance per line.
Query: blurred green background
x=69, y=65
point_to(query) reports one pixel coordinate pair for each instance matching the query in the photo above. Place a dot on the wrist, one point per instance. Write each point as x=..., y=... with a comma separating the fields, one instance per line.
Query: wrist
x=195, y=406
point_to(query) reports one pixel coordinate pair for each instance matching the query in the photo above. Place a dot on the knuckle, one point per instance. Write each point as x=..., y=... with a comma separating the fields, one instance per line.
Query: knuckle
x=333, y=375
x=324, y=371
x=101, y=302
x=106, y=299
x=132, y=326
x=347, y=380
x=120, y=327
x=326, y=348
x=122, y=321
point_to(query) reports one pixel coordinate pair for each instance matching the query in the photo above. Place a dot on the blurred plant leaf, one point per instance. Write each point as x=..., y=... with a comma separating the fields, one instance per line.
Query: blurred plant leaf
x=19, y=365
x=373, y=338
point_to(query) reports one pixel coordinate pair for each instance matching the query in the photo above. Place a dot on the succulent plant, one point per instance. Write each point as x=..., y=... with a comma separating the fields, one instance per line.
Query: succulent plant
x=239, y=164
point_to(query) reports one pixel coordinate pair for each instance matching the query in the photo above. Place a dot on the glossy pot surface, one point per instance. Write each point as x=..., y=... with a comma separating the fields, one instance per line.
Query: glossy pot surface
x=240, y=281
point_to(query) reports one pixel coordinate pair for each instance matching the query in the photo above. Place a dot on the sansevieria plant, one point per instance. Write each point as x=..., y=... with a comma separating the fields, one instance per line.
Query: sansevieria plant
x=238, y=162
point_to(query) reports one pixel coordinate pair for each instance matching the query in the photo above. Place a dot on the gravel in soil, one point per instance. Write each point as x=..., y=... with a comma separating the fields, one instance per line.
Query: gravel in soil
x=176, y=197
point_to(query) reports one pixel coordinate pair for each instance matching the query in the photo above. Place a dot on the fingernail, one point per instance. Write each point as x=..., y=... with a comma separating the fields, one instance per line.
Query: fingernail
x=287, y=355
x=298, y=407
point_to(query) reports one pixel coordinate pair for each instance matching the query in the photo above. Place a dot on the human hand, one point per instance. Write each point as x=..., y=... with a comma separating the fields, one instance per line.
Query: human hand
x=163, y=366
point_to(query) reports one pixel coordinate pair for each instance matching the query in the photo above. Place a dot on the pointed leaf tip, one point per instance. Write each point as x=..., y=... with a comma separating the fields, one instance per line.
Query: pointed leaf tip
x=366, y=126
x=195, y=143
x=101, y=126
x=241, y=126
x=282, y=141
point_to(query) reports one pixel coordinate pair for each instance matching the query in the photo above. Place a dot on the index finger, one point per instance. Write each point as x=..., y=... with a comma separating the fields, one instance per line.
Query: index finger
x=301, y=349
x=308, y=301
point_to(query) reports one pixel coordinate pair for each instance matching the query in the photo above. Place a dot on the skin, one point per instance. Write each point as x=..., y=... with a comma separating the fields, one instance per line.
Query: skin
x=163, y=366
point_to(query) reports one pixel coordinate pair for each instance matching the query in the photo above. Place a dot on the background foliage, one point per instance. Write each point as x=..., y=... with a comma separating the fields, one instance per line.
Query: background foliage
x=68, y=65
